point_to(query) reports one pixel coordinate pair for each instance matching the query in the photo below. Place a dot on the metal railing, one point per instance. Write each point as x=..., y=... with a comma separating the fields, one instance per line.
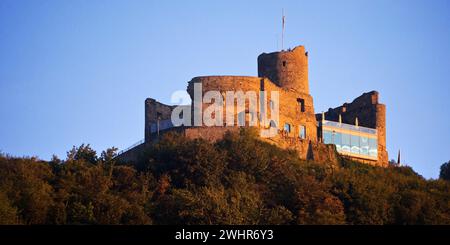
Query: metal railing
x=349, y=127
x=130, y=147
x=154, y=127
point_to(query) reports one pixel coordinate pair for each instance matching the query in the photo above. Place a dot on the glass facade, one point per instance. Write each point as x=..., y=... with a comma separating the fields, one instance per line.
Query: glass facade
x=351, y=140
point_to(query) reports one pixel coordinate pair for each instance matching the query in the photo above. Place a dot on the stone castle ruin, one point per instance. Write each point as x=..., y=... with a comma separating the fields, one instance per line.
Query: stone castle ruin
x=354, y=130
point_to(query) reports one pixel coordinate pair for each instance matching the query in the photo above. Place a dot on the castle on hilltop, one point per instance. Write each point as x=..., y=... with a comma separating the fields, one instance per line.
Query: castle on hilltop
x=355, y=130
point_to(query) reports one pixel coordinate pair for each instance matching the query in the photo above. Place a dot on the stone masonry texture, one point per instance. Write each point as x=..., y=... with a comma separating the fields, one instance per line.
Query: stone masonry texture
x=287, y=73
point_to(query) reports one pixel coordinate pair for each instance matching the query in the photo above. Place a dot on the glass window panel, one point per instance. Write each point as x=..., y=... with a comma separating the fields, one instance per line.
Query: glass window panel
x=327, y=137
x=373, y=147
x=364, y=146
x=345, y=143
x=355, y=144
x=337, y=139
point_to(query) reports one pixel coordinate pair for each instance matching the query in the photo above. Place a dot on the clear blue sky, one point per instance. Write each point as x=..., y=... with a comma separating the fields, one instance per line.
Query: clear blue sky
x=74, y=72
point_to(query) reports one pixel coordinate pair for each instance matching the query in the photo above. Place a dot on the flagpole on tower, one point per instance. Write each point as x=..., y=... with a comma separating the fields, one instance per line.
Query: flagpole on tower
x=282, y=29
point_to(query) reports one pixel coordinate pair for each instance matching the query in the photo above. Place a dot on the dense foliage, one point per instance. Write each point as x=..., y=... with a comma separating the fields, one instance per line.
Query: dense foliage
x=445, y=171
x=238, y=180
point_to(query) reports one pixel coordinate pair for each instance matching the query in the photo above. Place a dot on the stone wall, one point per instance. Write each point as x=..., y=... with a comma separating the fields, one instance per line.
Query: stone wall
x=290, y=109
x=287, y=69
x=133, y=154
x=306, y=149
x=211, y=134
x=153, y=111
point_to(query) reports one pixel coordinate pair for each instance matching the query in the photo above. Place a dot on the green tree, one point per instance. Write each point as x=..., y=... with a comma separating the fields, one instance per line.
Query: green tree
x=445, y=171
x=237, y=180
x=8, y=213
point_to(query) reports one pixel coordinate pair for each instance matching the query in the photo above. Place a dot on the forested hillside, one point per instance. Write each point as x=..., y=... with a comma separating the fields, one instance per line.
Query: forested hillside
x=238, y=180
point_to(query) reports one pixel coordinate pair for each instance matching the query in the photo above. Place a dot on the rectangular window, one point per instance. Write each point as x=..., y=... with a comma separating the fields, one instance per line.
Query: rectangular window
x=301, y=104
x=287, y=127
x=302, y=132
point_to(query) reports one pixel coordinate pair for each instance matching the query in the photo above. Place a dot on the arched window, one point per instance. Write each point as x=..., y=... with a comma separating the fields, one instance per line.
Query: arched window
x=241, y=118
x=287, y=127
x=273, y=124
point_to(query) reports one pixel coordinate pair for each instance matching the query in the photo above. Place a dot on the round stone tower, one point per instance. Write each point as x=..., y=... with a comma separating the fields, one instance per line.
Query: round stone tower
x=287, y=69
